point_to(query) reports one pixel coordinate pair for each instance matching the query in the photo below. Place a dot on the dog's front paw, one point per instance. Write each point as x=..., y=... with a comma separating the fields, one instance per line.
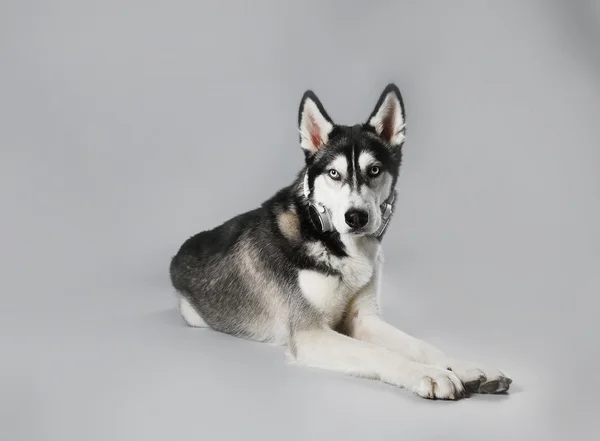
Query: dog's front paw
x=435, y=383
x=480, y=379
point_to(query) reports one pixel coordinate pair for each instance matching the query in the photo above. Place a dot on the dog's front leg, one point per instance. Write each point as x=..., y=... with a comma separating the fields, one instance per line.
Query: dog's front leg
x=364, y=323
x=328, y=349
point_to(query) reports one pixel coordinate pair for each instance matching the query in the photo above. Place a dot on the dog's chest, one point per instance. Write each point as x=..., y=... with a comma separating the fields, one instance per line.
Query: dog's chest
x=330, y=294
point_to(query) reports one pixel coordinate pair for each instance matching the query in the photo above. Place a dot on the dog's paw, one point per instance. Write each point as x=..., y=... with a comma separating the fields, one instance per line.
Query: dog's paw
x=480, y=379
x=436, y=383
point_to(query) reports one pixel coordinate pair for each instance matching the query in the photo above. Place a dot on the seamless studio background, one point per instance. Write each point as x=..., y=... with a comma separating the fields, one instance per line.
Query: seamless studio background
x=126, y=127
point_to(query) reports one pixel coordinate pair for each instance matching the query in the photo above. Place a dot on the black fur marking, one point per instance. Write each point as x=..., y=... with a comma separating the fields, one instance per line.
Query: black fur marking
x=342, y=140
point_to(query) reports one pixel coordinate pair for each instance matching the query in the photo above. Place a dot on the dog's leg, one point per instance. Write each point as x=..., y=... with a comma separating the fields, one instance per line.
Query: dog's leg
x=327, y=349
x=364, y=323
x=189, y=314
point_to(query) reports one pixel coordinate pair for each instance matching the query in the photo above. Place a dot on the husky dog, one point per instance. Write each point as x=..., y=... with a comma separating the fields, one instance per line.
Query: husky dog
x=304, y=269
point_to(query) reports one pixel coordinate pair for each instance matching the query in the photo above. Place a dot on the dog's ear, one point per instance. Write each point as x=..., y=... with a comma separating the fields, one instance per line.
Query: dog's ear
x=313, y=123
x=388, y=116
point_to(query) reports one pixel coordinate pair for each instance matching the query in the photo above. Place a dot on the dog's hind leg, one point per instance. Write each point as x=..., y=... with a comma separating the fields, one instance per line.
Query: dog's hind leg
x=327, y=349
x=189, y=314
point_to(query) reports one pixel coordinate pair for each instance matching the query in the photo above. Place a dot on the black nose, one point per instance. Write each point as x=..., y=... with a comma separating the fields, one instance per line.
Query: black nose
x=356, y=218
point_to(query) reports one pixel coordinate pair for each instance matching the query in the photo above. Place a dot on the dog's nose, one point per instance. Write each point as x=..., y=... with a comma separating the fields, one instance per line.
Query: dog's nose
x=356, y=218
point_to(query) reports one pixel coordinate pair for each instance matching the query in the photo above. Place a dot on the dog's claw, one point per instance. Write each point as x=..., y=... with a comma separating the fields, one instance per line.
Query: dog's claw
x=504, y=384
x=490, y=387
x=473, y=386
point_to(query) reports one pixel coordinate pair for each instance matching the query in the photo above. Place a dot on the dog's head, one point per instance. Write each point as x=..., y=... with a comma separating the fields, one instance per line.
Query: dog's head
x=352, y=171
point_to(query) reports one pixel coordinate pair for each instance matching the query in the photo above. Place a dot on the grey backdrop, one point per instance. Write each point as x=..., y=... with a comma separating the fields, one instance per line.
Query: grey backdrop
x=128, y=126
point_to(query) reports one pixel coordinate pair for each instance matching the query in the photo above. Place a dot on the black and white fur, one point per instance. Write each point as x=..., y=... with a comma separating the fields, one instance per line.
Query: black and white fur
x=303, y=270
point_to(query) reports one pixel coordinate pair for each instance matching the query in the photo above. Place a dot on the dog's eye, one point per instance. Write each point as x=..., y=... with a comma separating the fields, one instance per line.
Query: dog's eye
x=333, y=174
x=374, y=171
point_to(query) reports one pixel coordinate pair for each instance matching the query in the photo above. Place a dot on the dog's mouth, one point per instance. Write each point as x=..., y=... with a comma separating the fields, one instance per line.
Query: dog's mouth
x=362, y=231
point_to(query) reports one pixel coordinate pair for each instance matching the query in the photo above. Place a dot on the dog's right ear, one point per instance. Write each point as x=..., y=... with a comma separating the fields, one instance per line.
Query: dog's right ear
x=388, y=116
x=313, y=123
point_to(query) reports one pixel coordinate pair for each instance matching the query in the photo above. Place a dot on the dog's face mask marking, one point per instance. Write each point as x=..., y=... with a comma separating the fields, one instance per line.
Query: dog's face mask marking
x=351, y=171
x=352, y=194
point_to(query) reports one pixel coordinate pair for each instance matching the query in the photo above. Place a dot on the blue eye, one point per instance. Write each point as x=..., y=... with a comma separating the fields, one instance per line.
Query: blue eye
x=374, y=171
x=333, y=174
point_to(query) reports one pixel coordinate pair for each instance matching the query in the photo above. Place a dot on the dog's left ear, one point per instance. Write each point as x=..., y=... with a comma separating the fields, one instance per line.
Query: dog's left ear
x=313, y=123
x=388, y=116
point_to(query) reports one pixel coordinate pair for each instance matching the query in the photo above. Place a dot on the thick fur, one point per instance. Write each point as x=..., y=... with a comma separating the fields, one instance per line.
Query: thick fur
x=273, y=275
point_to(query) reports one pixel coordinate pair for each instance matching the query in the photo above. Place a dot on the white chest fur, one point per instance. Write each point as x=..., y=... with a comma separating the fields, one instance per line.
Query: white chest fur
x=330, y=294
